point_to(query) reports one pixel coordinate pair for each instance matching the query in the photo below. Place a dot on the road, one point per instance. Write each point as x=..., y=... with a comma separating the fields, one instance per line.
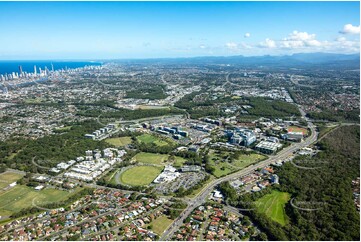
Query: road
x=204, y=193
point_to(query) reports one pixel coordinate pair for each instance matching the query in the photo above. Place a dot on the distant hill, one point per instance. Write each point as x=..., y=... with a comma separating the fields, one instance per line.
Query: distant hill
x=301, y=60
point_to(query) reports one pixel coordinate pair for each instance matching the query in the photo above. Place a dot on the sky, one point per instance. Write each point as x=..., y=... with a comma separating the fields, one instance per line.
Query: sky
x=120, y=30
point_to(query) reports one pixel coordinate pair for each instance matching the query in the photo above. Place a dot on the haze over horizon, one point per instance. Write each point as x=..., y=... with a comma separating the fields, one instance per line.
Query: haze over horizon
x=128, y=30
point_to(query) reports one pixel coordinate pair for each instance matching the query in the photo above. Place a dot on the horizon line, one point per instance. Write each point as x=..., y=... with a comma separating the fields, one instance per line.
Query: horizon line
x=185, y=57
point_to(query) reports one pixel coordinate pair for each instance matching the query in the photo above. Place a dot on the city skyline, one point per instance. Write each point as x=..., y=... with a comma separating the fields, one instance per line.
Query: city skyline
x=121, y=30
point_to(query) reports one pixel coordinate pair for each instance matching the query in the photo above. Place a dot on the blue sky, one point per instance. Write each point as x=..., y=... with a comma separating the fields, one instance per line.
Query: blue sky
x=94, y=30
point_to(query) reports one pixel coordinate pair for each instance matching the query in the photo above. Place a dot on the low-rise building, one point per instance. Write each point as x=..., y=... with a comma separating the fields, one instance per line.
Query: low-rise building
x=268, y=147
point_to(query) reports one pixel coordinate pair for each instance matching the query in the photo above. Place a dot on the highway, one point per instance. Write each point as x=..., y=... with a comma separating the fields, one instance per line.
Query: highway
x=203, y=194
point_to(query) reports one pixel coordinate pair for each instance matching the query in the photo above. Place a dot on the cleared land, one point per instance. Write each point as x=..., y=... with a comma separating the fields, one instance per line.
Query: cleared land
x=21, y=196
x=158, y=159
x=160, y=224
x=120, y=141
x=297, y=129
x=7, y=178
x=245, y=160
x=273, y=205
x=140, y=175
x=149, y=139
x=222, y=168
x=151, y=158
x=220, y=160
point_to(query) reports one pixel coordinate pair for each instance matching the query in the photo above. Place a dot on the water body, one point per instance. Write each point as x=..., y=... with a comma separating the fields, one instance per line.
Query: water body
x=8, y=67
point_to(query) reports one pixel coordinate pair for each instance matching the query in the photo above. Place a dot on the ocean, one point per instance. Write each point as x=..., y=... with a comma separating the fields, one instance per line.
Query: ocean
x=28, y=66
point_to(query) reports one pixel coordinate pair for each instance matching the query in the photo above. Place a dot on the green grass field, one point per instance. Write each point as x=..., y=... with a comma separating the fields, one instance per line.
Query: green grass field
x=158, y=159
x=140, y=175
x=297, y=129
x=273, y=205
x=7, y=178
x=120, y=141
x=149, y=139
x=21, y=196
x=223, y=167
x=151, y=158
x=246, y=160
x=179, y=161
x=160, y=224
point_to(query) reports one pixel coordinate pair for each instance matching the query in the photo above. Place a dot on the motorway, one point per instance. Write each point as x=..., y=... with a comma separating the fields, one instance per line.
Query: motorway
x=204, y=193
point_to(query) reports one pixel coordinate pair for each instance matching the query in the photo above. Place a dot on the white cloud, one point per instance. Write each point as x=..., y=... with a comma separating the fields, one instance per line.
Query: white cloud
x=232, y=46
x=247, y=35
x=268, y=43
x=347, y=45
x=300, y=40
x=350, y=29
x=202, y=46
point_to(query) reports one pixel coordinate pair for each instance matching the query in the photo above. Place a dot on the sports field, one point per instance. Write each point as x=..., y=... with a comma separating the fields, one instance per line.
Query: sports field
x=7, y=178
x=120, y=141
x=151, y=158
x=149, y=139
x=160, y=224
x=19, y=197
x=273, y=205
x=140, y=175
x=297, y=129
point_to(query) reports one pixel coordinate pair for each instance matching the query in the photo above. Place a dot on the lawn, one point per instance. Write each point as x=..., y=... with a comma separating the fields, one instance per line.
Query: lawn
x=151, y=158
x=149, y=139
x=160, y=224
x=246, y=160
x=140, y=175
x=223, y=167
x=179, y=161
x=273, y=205
x=297, y=129
x=120, y=141
x=21, y=196
x=7, y=178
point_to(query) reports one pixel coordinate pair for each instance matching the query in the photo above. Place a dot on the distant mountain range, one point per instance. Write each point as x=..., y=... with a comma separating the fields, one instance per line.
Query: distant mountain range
x=300, y=60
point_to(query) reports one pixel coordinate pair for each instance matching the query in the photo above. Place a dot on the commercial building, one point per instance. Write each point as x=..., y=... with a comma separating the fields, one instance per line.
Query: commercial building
x=243, y=137
x=294, y=136
x=169, y=174
x=268, y=147
x=191, y=168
